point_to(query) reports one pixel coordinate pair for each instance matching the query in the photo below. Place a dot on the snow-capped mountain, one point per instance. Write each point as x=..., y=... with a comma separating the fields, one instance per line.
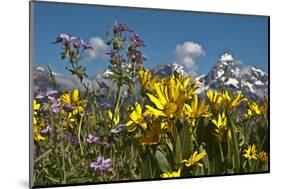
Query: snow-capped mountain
x=168, y=69
x=43, y=81
x=225, y=74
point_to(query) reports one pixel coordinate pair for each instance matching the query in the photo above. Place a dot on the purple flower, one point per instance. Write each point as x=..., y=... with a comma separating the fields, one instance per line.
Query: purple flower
x=138, y=57
x=68, y=107
x=51, y=92
x=55, y=105
x=137, y=41
x=102, y=165
x=86, y=45
x=60, y=38
x=106, y=105
x=75, y=42
x=118, y=128
x=95, y=138
x=47, y=94
x=45, y=130
x=121, y=28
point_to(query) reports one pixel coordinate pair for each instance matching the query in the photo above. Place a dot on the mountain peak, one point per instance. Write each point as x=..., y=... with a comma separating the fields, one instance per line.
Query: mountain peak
x=225, y=74
x=226, y=57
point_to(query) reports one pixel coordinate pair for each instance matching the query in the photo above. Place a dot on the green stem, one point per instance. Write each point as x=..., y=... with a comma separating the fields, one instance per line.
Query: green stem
x=235, y=144
x=221, y=152
x=79, y=133
x=118, y=96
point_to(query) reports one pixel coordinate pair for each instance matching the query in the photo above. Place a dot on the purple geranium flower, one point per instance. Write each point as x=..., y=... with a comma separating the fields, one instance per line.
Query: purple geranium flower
x=118, y=129
x=138, y=57
x=45, y=130
x=86, y=45
x=137, y=41
x=68, y=107
x=102, y=165
x=106, y=105
x=49, y=93
x=55, y=105
x=62, y=37
x=121, y=28
x=95, y=138
x=75, y=42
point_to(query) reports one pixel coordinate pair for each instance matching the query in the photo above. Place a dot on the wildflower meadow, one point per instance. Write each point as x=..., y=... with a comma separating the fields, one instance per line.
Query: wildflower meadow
x=147, y=126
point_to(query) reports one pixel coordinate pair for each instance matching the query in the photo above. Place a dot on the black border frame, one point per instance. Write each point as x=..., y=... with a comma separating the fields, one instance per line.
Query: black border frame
x=128, y=7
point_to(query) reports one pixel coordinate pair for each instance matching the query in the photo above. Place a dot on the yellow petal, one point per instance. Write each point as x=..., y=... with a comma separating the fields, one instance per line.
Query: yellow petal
x=75, y=95
x=150, y=110
x=153, y=99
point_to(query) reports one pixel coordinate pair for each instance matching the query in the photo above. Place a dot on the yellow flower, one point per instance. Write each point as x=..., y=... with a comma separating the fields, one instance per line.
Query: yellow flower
x=37, y=125
x=196, y=110
x=194, y=159
x=154, y=133
x=169, y=99
x=116, y=119
x=214, y=98
x=264, y=106
x=136, y=118
x=36, y=107
x=231, y=102
x=263, y=156
x=253, y=109
x=171, y=174
x=72, y=98
x=251, y=153
x=220, y=125
x=147, y=79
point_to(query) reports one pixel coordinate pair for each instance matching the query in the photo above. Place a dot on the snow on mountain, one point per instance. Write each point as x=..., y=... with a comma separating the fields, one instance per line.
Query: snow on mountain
x=226, y=75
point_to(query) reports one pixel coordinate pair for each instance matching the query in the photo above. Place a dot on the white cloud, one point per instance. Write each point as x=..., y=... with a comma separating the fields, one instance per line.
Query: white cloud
x=186, y=54
x=99, y=48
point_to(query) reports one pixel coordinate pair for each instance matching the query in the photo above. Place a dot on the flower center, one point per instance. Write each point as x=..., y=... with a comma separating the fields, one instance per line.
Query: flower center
x=170, y=108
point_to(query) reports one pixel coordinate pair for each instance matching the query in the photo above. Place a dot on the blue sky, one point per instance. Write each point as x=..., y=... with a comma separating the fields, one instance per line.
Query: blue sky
x=244, y=36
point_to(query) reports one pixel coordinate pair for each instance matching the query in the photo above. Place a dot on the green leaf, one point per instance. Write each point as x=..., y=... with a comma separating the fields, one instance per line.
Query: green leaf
x=186, y=142
x=162, y=161
x=178, y=151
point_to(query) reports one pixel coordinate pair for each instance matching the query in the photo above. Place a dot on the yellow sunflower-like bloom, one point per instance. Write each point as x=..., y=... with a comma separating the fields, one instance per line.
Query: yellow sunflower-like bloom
x=37, y=124
x=154, y=133
x=147, y=79
x=36, y=107
x=264, y=106
x=214, y=98
x=251, y=153
x=169, y=99
x=253, y=109
x=136, y=118
x=194, y=159
x=72, y=99
x=263, y=156
x=232, y=102
x=196, y=110
x=171, y=174
x=116, y=119
x=220, y=125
